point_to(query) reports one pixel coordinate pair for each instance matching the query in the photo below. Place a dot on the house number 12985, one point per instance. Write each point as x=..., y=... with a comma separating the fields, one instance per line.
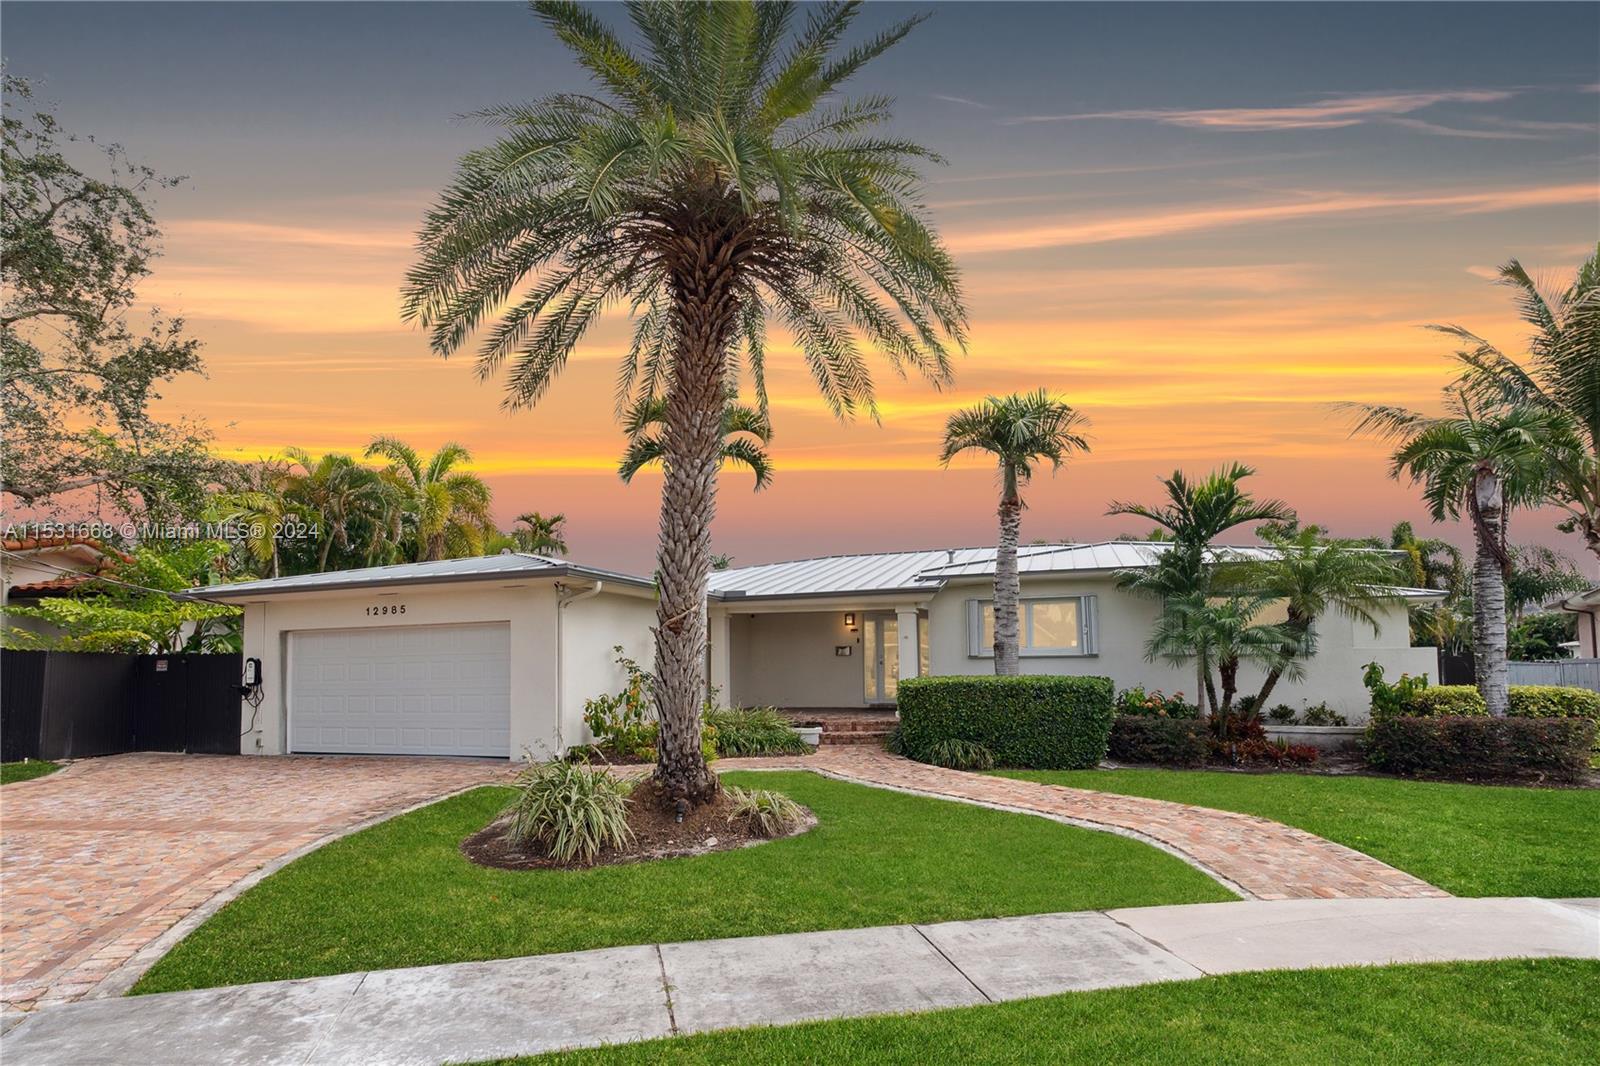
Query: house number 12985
x=386, y=608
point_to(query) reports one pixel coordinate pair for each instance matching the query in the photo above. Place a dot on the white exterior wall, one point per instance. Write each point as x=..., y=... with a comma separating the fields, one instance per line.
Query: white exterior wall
x=1124, y=623
x=546, y=701
x=788, y=660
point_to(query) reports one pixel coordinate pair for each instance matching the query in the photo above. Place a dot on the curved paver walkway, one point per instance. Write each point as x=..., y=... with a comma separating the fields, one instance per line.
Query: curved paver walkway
x=1257, y=857
x=100, y=859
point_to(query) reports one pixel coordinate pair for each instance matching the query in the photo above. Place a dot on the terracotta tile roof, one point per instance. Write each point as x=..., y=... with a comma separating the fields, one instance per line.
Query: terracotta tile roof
x=26, y=544
x=43, y=588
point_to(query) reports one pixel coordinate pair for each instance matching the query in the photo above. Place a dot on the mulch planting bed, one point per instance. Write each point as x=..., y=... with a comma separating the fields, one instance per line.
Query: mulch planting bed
x=656, y=835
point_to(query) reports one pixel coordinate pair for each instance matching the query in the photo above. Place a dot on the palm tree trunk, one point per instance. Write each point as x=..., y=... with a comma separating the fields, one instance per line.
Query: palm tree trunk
x=1007, y=583
x=1489, y=594
x=705, y=306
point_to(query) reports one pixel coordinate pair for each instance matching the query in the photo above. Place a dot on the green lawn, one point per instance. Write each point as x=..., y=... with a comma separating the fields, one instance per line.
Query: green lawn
x=401, y=894
x=26, y=770
x=1526, y=1011
x=1471, y=840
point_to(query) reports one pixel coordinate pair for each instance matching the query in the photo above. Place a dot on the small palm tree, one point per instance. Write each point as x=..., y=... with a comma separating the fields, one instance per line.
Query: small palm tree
x=1484, y=464
x=1221, y=633
x=541, y=534
x=447, y=510
x=745, y=431
x=1561, y=376
x=1018, y=430
x=258, y=508
x=716, y=177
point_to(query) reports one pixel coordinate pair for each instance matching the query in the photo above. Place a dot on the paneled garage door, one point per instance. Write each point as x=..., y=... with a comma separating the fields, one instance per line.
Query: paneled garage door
x=402, y=690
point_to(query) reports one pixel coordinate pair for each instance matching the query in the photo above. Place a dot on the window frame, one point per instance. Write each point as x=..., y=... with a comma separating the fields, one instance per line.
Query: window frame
x=1088, y=628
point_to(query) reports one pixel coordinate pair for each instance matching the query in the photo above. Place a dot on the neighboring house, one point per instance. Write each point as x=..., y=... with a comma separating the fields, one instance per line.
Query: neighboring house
x=488, y=656
x=37, y=568
x=1586, y=605
x=839, y=632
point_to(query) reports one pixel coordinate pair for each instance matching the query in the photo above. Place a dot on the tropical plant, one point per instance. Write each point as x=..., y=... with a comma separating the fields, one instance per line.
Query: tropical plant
x=1538, y=637
x=257, y=507
x=763, y=811
x=1311, y=575
x=623, y=723
x=1483, y=463
x=541, y=534
x=953, y=753
x=570, y=811
x=1538, y=575
x=444, y=511
x=745, y=432
x=754, y=731
x=340, y=495
x=1430, y=563
x=1561, y=376
x=716, y=178
x=1019, y=430
x=1220, y=634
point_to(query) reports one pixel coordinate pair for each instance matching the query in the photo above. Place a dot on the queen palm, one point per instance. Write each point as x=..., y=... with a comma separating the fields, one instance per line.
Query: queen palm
x=1561, y=375
x=1483, y=463
x=541, y=534
x=745, y=432
x=446, y=510
x=1020, y=431
x=713, y=179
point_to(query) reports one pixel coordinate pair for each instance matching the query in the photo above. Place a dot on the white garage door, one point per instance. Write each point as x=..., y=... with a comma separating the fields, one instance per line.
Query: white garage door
x=402, y=690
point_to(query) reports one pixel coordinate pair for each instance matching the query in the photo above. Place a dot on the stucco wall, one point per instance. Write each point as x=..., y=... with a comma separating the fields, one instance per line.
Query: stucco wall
x=590, y=631
x=788, y=660
x=1124, y=622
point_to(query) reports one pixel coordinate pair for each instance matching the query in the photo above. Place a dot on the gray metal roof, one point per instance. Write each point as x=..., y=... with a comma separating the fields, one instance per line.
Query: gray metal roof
x=484, y=568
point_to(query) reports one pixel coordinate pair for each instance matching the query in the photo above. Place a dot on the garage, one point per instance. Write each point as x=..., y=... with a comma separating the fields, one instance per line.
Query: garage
x=401, y=690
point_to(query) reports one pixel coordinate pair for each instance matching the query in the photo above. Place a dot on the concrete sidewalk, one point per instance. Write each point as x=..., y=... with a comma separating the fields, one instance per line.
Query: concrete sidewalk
x=468, y=1012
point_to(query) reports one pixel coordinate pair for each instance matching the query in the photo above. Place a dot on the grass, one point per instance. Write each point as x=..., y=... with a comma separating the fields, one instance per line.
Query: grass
x=401, y=894
x=26, y=770
x=1470, y=840
x=1521, y=1011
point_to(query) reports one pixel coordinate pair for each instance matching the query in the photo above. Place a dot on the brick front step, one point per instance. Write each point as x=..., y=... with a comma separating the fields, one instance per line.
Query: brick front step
x=854, y=736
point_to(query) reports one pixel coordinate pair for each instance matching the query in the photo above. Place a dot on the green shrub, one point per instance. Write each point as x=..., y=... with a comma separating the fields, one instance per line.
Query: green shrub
x=1034, y=722
x=623, y=723
x=1166, y=741
x=1390, y=701
x=749, y=731
x=763, y=811
x=1155, y=703
x=1322, y=714
x=955, y=754
x=570, y=811
x=1282, y=714
x=1481, y=747
x=1457, y=701
x=1554, y=701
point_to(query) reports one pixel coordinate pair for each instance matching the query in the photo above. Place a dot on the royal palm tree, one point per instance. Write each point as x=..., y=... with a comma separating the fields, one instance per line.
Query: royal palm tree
x=446, y=509
x=1019, y=430
x=745, y=432
x=1483, y=463
x=715, y=178
x=1310, y=575
x=541, y=534
x=1561, y=375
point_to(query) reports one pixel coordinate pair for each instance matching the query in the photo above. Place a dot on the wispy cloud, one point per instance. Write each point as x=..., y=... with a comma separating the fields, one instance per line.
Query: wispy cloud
x=272, y=233
x=1329, y=113
x=1190, y=219
x=1424, y=126
x=962, y=100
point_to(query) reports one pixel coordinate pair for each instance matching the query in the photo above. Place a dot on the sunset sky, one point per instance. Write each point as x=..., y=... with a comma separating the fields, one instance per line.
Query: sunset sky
x=1200, y=224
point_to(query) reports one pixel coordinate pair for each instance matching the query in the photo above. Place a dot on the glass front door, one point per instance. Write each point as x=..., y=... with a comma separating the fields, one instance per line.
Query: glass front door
x=880, y=641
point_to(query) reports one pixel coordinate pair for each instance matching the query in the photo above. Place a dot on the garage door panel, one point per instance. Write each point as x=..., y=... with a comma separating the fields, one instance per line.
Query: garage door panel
x=419, y=690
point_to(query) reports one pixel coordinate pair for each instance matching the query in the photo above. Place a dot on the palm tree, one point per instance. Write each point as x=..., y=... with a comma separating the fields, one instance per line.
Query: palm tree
x=543, y=535
x=1561, y=376
x=1484, y=463
x=714, y=178
x=1018, y=430
x=1310, y=575
x=1430, y=563
x=1221, y=633
x=447, y=510
x=745, y=430
x=341, y=494
x=258, y=508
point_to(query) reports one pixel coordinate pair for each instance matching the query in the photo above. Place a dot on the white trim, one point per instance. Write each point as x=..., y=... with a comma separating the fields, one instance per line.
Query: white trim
x=1088, y=628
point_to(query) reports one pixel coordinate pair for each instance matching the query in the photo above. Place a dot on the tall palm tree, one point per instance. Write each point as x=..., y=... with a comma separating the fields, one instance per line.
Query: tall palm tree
x=1018, y=430
x=342, y=495
x=715, y=177
x=745, y=432
x=1561, y=375
x=541, y=534
x=446, y=509
x=1311, y=575
x=1483, y=463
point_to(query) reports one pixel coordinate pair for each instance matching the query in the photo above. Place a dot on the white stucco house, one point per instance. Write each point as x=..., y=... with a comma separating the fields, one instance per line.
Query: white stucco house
x=491, y=656
x=1586, y=605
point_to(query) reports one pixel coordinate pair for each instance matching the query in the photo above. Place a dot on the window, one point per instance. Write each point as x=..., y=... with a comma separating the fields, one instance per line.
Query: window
x=1049, y=627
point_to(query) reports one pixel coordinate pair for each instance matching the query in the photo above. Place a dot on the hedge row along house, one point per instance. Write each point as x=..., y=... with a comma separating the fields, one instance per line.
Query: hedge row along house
x=494, y=656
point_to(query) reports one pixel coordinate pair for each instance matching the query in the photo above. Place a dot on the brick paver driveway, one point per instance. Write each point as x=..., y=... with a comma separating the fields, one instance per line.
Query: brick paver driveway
x=100, y=859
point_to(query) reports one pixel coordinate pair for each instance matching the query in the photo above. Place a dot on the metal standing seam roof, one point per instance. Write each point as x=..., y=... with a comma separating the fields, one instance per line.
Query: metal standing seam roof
x=445, y=571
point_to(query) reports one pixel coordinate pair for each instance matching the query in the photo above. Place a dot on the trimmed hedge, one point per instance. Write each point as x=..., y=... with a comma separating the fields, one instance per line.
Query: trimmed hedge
x=1526, y=701
x=1473, y=747
x=1166, y=741
x=1031, y=722
x=1438, y=701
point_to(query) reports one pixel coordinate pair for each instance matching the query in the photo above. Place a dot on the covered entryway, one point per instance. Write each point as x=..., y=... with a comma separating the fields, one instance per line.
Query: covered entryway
x=401, y=690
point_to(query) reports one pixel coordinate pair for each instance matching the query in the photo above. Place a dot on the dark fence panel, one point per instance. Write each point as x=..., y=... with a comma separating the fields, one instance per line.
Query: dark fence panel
x=70, y=705
x=1457, y=669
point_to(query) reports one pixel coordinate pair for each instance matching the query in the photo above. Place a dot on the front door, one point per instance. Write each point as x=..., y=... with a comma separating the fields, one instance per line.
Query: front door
x=880, y=639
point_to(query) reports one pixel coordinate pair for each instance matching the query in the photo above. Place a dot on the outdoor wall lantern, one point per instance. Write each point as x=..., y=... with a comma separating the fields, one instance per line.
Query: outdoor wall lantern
x=850, y=620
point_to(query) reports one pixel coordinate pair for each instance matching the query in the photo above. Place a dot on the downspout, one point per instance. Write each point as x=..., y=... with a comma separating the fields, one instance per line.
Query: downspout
x=562, y=603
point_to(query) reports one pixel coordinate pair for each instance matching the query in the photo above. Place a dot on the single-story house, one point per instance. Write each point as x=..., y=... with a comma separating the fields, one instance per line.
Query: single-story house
x=488, y=657
x=495, y=655
x=1586, y=605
